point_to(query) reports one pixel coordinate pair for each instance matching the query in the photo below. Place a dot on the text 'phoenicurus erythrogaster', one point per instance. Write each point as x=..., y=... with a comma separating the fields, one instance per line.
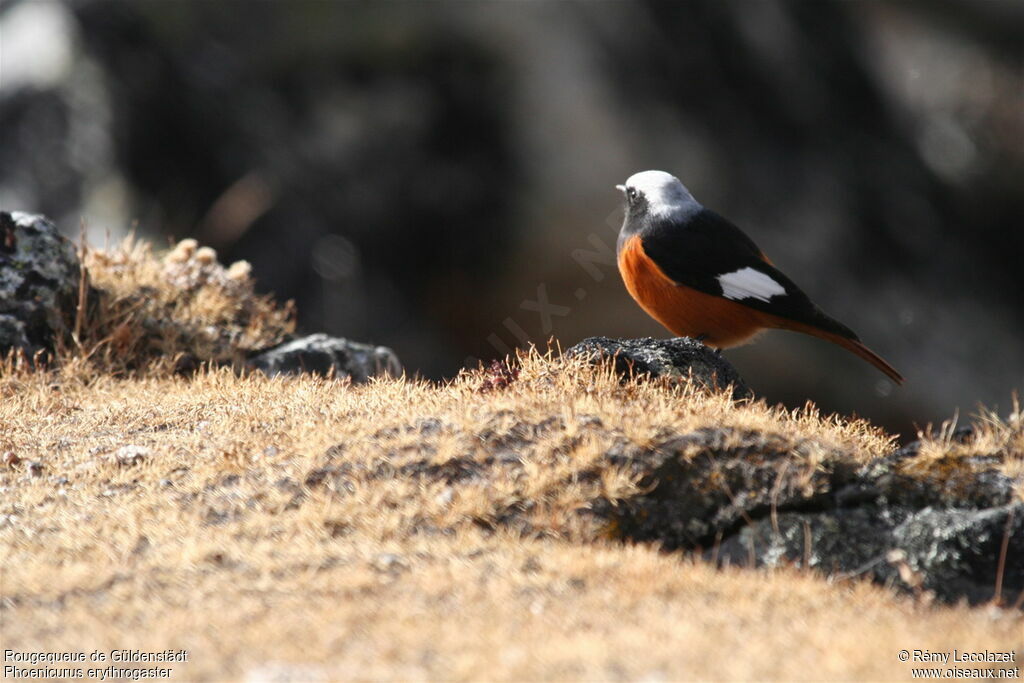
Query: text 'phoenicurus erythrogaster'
x=702, y=277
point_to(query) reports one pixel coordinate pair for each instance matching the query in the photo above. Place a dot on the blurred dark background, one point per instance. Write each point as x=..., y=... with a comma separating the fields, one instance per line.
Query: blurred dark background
x=438, y=177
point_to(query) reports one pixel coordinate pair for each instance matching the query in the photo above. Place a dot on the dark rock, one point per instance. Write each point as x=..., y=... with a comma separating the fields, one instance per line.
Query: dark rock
x=750, y=498
x=39, y=280
x=672, y=358
x=321, y=354
x=708, y=484
x=13, y=335
x=954, y=553
x=957, y=551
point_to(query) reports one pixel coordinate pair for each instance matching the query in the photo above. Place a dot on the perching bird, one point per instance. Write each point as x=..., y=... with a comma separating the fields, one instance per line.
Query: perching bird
x=702, y=277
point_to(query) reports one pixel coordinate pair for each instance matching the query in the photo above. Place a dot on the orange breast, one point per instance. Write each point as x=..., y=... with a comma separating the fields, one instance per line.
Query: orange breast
x=685, y=311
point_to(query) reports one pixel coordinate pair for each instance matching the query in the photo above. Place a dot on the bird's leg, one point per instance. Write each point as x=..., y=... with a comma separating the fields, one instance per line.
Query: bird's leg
x=702, y=338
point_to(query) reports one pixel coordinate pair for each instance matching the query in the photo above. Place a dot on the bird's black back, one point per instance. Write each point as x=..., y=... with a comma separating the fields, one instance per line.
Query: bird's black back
x=696, y=250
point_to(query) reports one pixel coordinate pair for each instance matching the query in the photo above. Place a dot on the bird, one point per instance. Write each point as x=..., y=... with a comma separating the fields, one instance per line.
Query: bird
x=702, y=277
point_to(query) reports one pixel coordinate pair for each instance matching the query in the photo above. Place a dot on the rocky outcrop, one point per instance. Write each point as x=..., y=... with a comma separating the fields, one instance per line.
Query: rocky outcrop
x=949, y=528
x=325, y=355
x=39, y=281
x=671, y=358
x=953, y=527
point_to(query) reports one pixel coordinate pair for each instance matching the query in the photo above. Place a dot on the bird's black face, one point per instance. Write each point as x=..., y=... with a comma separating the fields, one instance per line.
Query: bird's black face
x=636, y=213
x=636, y=201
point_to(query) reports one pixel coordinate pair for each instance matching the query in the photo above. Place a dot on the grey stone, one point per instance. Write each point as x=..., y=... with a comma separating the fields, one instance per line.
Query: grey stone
x=954, y=553
x=322, y=354
x=750, y=498
x=671, y=358
x=957, y=551
x=39, y=280
x=706, y=485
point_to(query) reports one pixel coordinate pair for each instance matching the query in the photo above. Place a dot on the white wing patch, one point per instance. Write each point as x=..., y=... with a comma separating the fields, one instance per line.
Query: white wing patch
x=747, y=283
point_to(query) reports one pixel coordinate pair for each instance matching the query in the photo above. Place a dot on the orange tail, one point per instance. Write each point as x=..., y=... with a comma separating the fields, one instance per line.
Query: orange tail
x=851, y=345
x=854, y=346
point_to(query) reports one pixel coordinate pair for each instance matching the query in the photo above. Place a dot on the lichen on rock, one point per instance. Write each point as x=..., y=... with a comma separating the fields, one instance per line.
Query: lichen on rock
x=678, y=359
x=39, y=281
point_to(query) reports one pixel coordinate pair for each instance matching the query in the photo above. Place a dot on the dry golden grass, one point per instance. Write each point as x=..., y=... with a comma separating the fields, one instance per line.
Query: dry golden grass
x=305, y=528
x=151, y=314
x=992, y=441
x=283, y=528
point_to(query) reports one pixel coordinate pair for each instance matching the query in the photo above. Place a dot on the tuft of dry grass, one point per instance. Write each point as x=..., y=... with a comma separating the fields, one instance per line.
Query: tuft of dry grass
x=305, y=528
x=953, y=455
x=150, y=313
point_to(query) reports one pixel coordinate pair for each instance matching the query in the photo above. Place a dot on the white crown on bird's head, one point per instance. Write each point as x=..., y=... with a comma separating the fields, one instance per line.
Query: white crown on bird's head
x=664, y=193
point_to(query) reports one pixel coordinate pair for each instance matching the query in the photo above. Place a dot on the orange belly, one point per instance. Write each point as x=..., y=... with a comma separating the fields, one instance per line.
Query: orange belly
x=685, y=311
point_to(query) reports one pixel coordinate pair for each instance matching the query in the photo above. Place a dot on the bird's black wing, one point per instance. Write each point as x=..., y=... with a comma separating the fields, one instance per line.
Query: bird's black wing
x=698, y=251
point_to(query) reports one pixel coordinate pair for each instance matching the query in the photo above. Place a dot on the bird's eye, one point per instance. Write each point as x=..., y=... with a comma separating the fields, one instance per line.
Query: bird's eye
x=631, y=193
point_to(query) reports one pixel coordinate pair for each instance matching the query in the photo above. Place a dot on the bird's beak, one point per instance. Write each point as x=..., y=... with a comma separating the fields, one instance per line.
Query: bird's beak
x=621, y=188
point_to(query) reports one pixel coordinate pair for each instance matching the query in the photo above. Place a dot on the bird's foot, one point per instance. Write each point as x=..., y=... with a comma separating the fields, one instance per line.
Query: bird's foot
x=703, y=339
